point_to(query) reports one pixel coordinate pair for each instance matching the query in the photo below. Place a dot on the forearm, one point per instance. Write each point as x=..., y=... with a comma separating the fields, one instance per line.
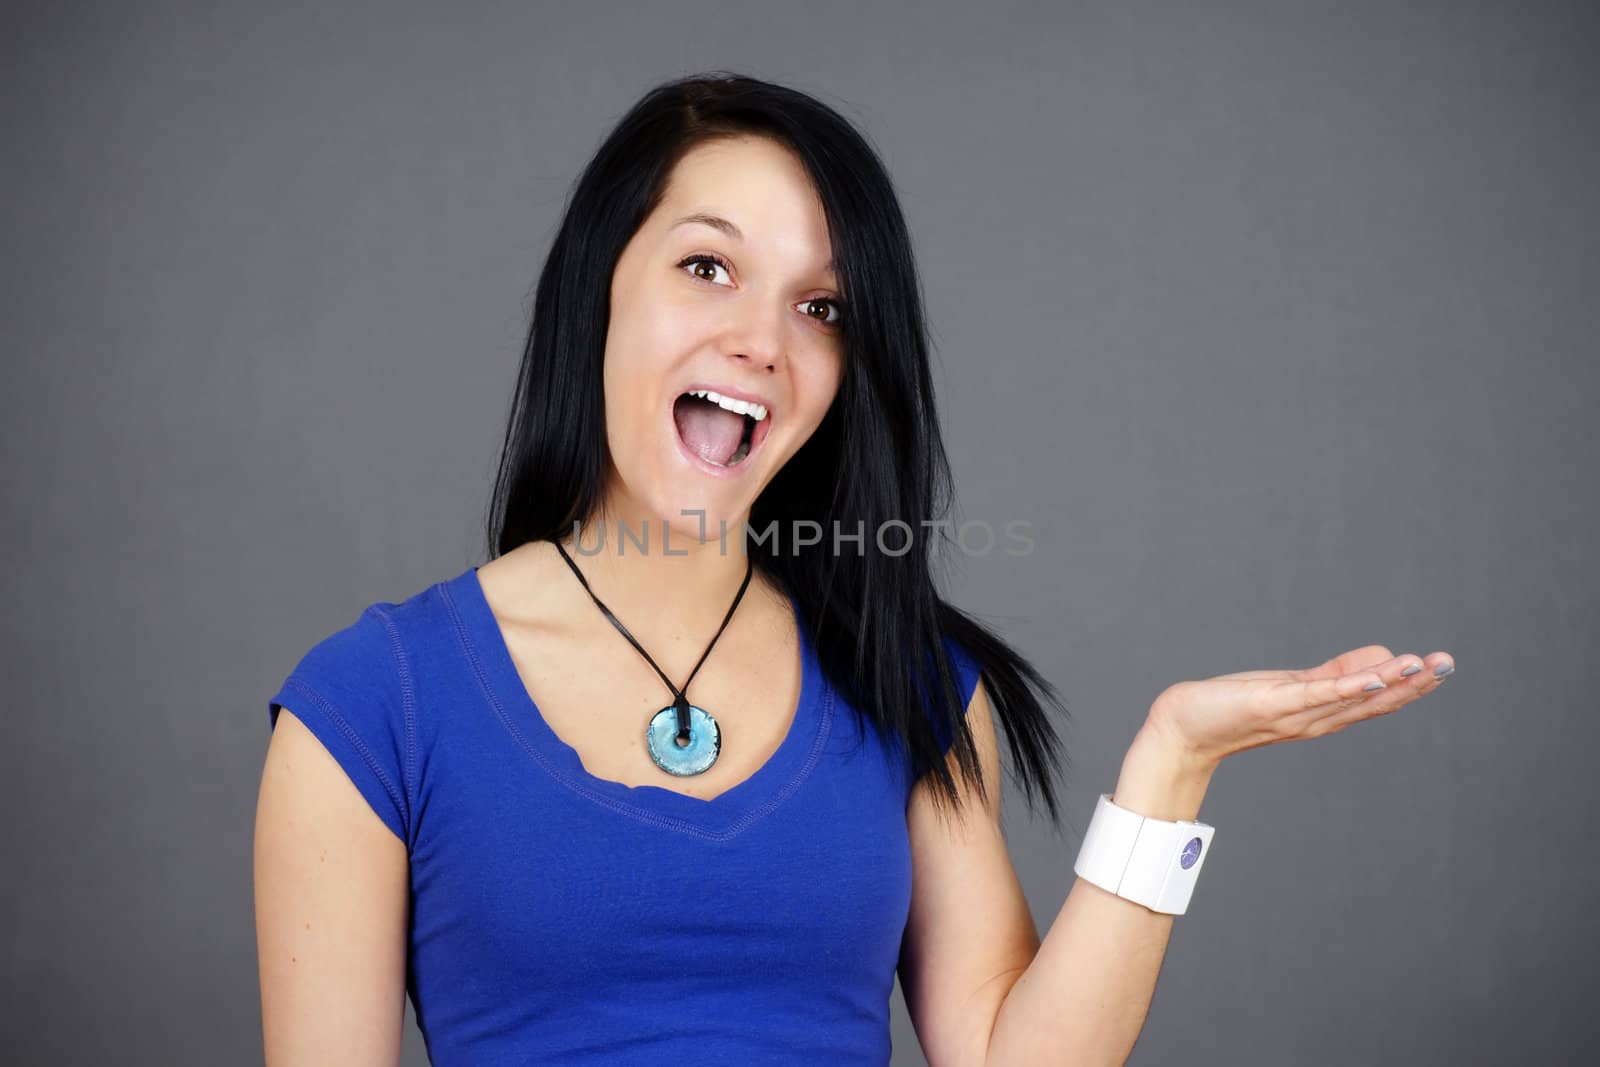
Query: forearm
x=1084, y=998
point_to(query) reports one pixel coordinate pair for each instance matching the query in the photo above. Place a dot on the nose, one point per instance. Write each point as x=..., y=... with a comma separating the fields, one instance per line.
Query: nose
x=757, y=336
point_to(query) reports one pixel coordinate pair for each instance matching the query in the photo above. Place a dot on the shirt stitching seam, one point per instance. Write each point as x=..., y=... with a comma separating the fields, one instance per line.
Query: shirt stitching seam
x=408, y=710
x=353, y=739
x=652, y=818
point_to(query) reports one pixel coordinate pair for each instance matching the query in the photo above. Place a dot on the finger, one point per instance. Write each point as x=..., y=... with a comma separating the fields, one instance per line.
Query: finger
x=1423, y=678
x=1367, y=657
x=1324, y=696
x=1327, y=692
x=1333, y=692
x=1364, y=658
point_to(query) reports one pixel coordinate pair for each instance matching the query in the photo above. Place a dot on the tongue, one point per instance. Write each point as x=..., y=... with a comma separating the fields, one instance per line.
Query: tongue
x=710, y=432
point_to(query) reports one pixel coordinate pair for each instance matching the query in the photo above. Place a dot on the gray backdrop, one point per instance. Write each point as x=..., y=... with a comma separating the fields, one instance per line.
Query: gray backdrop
x=1276, y=321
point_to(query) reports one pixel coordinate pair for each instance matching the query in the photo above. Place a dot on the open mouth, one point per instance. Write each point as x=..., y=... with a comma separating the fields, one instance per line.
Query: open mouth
x=716, y=432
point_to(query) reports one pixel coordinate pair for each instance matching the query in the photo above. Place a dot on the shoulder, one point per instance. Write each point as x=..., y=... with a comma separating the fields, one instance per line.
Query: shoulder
x=967, y=673
x=963, y=661
x=353, y=691
x=362, y=656
x=374, y=654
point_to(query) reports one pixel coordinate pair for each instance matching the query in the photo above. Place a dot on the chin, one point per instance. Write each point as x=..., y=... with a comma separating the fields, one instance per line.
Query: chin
x=691, y=514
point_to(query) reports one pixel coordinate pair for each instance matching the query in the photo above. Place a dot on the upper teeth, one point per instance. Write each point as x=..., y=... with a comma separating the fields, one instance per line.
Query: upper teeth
x=728, y=403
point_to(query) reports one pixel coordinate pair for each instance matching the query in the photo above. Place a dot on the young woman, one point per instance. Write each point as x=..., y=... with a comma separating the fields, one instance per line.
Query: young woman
x=701, y=759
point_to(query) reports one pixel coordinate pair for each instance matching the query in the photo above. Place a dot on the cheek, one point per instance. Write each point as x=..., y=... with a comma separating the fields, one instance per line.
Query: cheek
x=824, y=386
x=649, y=341
x=632, y=372
x=814, y=396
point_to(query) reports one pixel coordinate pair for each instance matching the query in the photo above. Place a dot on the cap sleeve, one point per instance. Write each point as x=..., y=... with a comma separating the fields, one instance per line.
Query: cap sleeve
x=967, y=674
x=351, y=693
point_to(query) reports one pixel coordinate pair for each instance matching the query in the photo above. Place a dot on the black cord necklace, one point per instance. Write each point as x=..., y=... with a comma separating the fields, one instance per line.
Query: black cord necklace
x=683, y=739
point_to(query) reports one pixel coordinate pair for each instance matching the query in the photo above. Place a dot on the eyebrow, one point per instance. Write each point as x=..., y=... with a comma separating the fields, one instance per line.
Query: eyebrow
x=717, y=222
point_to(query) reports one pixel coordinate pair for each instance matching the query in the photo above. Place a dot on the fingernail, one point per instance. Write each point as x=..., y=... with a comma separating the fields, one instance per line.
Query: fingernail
x=1443, y=669
x=1409, y=671
x=1374, y=687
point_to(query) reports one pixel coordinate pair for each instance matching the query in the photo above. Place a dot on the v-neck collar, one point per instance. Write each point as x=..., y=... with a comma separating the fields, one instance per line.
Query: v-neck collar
x=721, y=817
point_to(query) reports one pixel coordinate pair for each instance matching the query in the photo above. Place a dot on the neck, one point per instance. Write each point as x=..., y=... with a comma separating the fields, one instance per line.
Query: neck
x=660, y=579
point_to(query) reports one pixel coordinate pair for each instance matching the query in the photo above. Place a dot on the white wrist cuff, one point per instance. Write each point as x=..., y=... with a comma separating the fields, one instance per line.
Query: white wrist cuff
x=1148, y=861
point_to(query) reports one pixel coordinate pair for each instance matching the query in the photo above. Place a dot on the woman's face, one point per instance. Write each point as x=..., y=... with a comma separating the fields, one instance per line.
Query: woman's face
x=761, y=325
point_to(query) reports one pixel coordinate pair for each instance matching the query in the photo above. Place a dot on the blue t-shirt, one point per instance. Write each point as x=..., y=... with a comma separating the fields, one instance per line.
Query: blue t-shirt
x=562, y=918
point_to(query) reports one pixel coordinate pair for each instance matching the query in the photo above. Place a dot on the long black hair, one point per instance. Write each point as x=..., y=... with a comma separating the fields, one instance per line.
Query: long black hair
x=877, y=620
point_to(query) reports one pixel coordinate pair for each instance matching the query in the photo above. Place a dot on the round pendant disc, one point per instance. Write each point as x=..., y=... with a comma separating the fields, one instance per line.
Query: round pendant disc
x=705, y=741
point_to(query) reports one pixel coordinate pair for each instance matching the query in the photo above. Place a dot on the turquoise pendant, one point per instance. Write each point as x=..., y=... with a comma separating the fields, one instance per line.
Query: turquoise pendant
x=705, y=741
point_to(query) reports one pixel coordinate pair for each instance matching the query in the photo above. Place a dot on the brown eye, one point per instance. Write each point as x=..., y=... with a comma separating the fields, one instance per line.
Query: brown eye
x=704, y=262
x=825, y=303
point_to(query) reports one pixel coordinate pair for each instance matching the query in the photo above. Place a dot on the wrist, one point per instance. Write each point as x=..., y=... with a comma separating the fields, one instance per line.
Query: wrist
x=1162, y=780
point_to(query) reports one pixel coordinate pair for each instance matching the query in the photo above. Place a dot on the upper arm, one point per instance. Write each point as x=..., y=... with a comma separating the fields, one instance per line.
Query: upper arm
x=969, y=934
x=332, y=903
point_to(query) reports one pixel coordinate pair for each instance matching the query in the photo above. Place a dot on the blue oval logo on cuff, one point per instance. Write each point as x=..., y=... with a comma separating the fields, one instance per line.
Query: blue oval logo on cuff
x=1191, y=854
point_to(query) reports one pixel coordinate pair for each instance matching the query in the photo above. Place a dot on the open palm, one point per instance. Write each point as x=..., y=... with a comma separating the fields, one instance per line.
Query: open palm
x=1220, y=716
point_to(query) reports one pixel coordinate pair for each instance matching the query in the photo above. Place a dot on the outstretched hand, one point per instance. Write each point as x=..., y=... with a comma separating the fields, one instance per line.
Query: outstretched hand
x=1218, y=717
